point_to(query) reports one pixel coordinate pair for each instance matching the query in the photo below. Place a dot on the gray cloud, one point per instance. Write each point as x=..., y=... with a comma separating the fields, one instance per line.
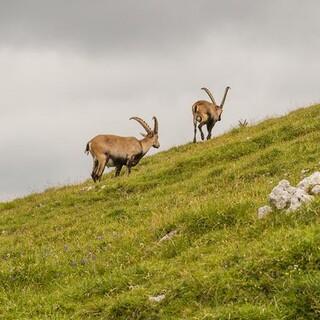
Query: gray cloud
x=118, y=26
x=72, y=69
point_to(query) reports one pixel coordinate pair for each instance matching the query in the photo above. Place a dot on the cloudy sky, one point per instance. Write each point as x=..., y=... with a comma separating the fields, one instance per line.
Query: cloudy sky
x=72, y=69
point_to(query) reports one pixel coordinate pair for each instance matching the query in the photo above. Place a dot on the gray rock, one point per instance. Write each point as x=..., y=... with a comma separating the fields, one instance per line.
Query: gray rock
x=264, y=211
x=279, y=196
x=87, y=188
x=316, y=190
x=158, y=298
x=168, y=236
x=284, y=196
x=299, y=197
x=309, y=182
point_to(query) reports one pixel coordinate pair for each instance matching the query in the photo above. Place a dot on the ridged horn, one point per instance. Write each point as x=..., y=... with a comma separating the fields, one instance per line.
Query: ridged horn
x=224, y=97
x=143, y=123
x=156, y=125
x=209, y=94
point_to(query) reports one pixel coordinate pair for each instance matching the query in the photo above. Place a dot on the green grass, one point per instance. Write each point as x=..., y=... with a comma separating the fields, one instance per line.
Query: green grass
x=74, y=254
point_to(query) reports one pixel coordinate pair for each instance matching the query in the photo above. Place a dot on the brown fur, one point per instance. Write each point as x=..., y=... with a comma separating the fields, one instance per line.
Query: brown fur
x=207, y=113
x=117, y=151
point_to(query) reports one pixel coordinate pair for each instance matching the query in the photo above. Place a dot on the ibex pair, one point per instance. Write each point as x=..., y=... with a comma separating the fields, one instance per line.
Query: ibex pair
x=207, y=113
x=115, y=151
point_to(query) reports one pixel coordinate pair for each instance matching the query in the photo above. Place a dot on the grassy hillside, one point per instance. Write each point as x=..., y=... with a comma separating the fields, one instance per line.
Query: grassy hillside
x=73, y=253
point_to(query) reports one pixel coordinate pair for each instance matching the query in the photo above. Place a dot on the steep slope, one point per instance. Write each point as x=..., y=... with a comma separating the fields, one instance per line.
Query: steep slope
x=81, y=253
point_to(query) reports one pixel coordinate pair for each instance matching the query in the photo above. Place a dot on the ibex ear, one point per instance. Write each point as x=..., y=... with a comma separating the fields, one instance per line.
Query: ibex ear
x=143, y=134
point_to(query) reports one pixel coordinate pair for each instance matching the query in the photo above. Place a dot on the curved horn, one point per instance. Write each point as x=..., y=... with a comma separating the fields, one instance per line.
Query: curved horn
x=156, y=125
x=143, y=123
x=209, y=94
x=224, y=97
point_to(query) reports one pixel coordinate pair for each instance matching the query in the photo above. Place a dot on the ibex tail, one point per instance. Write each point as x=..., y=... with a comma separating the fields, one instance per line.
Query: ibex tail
x=87, y=148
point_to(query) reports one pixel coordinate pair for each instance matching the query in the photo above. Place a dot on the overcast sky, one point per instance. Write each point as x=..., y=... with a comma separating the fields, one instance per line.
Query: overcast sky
x=72, y=69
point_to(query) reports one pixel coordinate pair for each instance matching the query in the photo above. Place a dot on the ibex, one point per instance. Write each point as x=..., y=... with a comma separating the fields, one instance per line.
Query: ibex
x=208, y=113
x=116, y=151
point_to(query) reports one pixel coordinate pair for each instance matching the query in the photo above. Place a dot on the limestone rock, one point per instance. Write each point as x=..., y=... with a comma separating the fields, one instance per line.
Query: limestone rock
x=279, y=196
x=316, y=189
x=309, y=182
x=158, y=298
x=264, y=211
x=284, y=196
x=168, y=236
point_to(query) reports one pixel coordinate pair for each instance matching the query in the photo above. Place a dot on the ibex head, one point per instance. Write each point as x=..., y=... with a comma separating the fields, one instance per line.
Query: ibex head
x=218, y=109
x=151, y=134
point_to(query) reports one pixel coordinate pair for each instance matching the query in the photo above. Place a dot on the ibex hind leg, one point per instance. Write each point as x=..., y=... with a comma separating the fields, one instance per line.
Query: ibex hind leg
x=94, y=169
x=103, y=159
x=196, y=119
x=195, y=132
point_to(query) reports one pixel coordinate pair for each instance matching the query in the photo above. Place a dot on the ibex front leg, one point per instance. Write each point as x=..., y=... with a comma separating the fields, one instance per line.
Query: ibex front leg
x=129, y=164
x=118, y=170
x=200, y=129
x=210, y=125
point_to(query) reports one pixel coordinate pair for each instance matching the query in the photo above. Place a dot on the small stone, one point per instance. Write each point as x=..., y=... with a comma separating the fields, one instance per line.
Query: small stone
x=264, y=211
x=168, y=236
x=316, y=190
x=158, y=298
x=84, y=189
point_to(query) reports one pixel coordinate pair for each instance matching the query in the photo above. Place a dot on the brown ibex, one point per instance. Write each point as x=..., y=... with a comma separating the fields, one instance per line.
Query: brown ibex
x=116, y=151
x=208, y=113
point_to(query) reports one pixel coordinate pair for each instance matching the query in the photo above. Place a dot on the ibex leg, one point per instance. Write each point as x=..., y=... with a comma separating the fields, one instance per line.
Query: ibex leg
x=102, y=164
x=200, y=129
x=94, y=169
x=195, y=131
x=209, y=128
x=129, y=164
x=118, y=170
